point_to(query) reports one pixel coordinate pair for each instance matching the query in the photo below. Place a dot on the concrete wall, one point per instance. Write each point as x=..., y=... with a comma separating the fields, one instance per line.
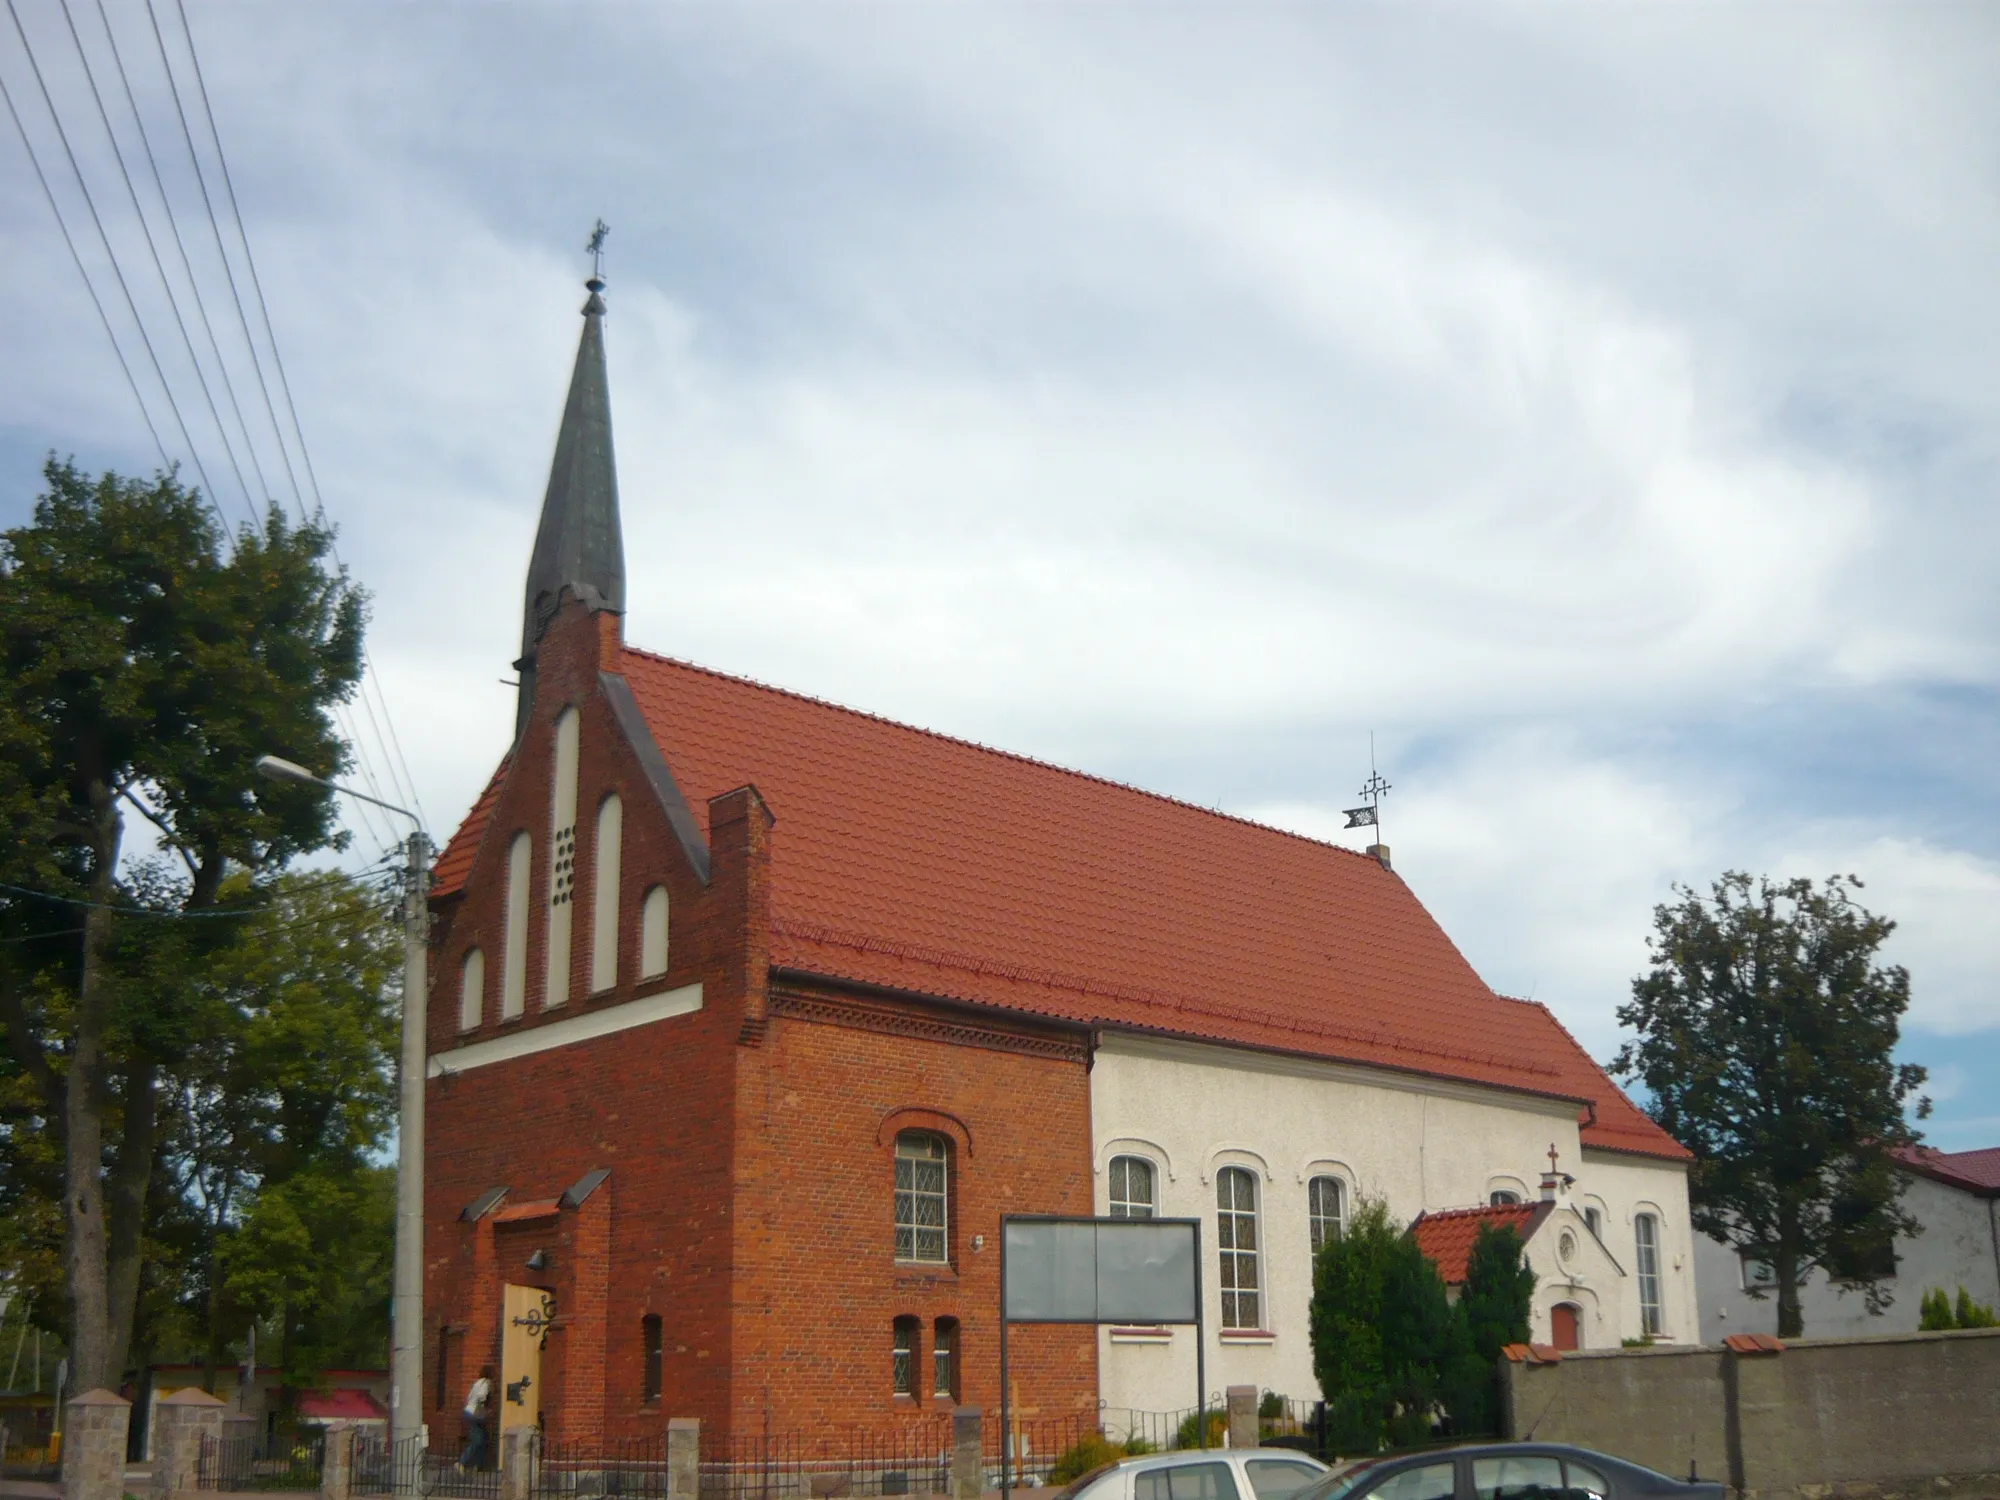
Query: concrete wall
x=1420, y=1143
x=1895, y=1413
x=1959, y=1247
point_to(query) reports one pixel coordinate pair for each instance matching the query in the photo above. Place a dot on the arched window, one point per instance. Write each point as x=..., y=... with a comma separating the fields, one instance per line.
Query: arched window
x=903, y=1357
x=1646, y=1229
x=1326, y=1202
x=921, y=1160
x=1503, y=1198
x=944, y=1359
x=514, y=959
x=653, y=934
x=1236, y=1234
x=472, y=990
x=562, y=858
x=604, y=894
x=1131, y=1187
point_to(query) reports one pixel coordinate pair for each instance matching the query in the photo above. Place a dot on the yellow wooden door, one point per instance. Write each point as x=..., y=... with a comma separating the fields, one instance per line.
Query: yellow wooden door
x=524, y=1327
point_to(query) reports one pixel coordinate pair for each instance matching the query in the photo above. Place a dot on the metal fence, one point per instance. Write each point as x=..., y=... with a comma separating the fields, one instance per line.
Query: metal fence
x=289, y=1461
x=912, y=1459
x=634, y=1468
x=27, y=1461
x=417, y=1466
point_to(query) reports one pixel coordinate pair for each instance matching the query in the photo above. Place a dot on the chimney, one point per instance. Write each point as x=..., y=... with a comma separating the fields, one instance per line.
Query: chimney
x=1381, y=854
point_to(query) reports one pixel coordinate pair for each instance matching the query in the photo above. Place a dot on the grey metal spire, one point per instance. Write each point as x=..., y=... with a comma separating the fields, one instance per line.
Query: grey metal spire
x=579, y=546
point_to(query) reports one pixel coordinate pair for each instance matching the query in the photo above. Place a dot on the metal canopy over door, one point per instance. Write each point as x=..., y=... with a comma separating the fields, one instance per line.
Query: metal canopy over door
x=525, y=1315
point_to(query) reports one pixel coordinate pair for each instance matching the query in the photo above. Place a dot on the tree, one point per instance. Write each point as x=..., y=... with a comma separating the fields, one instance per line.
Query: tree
x=1495, y=1305
x=1765, y=1030
x=1940, y=1312
x=1350, y=1279
x=142, y=672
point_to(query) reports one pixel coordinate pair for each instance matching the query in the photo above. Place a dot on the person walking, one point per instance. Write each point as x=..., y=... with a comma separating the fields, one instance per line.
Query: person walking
x=478, y=1415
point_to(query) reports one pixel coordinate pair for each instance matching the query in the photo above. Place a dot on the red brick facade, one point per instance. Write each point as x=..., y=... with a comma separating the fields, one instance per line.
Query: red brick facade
x=748, y=1145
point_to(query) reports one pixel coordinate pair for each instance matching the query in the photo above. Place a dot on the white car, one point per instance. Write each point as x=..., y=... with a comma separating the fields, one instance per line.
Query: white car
x=1202, y=1474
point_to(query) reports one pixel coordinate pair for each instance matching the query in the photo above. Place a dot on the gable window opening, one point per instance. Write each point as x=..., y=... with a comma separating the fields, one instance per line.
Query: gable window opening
x=1503, y=1198
x=653, y=933
x=944, y=1359
x=1594, y=1217
x=1326, y=1202
x=903, y=1357
x=655, y=1356
x=921, y=1189
x=1236, y=1237
x=472, y=990
x=1646, y=1230
x=1131, y=1187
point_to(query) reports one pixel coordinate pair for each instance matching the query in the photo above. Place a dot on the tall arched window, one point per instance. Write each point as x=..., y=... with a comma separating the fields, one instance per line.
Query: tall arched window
x=653, y=934
x=1236, y=1235
x=921, y=1192
x=604, y=894
x=562, y=858
x=472, y=990
x=1326, y=1202
x=1646, y=1229
x=514, y=953
x=1131, y=1188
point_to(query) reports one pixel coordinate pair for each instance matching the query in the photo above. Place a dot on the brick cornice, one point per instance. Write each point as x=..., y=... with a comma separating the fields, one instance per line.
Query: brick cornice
x=794, y=1003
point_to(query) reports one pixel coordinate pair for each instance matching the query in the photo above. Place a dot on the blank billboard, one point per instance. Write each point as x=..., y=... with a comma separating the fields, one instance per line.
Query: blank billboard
x=1099, y=1271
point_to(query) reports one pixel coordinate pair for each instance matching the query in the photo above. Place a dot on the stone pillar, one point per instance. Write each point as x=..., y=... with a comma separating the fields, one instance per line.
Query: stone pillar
x=93, y=1457
x=684, y=1458
x=517, y=1463
x=968, y=1467
x=180, y=1423
x=336, y=1467
x=1243, y=1416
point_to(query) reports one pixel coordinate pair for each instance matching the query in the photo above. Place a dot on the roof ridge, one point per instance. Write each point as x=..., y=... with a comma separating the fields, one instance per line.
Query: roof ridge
x=994, y=750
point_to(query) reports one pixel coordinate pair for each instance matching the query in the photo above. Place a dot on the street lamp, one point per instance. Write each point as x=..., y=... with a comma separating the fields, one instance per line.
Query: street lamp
x=406, y=1350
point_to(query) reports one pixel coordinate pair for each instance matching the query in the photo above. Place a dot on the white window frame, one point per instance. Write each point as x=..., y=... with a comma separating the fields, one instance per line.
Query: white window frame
x=1646, y=1239
x=472, y=990
x=1503, y=1198
x=916, y=1149
x=1322, y=1221
x=903, y=1356
x=1123, y=1204
x=653, y=934
x=1242, y=1285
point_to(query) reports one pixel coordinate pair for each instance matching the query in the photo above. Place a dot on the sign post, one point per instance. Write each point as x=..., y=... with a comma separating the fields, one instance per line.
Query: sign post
x=1132, y=1271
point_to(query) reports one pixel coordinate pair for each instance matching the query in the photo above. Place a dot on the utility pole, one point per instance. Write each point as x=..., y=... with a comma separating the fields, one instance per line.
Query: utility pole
x=406, y=1344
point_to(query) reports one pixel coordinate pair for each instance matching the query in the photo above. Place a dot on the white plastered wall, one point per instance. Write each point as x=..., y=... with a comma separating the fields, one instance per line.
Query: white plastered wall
x=1627, y=1186
x=1960, y=1246
x=1418, y=1143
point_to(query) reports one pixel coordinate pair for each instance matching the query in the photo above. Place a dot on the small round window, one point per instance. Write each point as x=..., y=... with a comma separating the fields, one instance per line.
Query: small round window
x=1566, y=1246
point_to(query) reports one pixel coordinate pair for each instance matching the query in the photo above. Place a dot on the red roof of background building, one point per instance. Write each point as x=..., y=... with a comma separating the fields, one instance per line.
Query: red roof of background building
x=1975, y=1171
x=911, y=860
x=1447, y=1237
x=341, y=1405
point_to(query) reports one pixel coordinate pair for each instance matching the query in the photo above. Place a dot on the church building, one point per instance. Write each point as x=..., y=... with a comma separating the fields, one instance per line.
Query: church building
x=752, y=1014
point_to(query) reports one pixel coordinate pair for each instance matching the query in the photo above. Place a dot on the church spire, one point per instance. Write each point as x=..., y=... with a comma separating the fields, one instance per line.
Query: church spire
x=578, y=546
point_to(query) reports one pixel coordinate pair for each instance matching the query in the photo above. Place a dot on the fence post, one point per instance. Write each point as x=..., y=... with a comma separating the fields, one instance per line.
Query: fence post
x=517, y=1463
x=684, y=1458
x=968, y=1465
x=93, y=1459
x=1243, y=1416
x=180, y=1421
x=336, y=1464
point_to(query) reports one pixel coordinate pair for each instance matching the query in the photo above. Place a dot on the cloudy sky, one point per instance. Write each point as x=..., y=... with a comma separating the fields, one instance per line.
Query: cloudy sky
x=1599, y=405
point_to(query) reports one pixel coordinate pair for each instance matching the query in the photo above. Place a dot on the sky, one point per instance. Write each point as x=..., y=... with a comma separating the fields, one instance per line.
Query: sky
x=1596, y=409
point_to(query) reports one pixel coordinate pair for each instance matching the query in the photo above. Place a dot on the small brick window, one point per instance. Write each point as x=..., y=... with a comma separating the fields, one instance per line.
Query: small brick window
x=921, y=1191
x=944, y=1359
x=903, y=1357
x=655, y=1356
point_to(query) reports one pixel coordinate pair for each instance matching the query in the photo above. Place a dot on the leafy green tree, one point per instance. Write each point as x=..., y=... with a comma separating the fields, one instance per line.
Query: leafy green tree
x=142, y=671
x=1941, y=1312
x=1765, y=1030
x=1422, y=1340
x=1350, y=1282
x=1494, y=1306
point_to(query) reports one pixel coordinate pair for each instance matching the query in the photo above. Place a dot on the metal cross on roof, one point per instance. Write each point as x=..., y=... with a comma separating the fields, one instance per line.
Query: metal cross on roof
x=596, y=248
x=1373, y=788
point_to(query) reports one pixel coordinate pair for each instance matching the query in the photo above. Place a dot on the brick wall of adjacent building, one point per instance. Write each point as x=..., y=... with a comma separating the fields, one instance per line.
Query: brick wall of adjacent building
x=750, y=1199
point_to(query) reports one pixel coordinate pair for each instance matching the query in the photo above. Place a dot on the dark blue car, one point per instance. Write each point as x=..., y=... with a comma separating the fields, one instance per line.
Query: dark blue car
x=1504, y=1471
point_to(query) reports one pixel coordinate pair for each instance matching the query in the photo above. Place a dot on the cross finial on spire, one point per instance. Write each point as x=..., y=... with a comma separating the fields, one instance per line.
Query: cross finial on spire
x=596, y=248
x=1552, y=1157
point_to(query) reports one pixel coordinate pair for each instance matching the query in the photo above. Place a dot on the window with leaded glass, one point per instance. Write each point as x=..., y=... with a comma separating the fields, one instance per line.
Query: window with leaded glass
x=1646, y=1229
x=920, y=1197
x=944, y=1359
x=1326, y=1203
x=1131, y=1187
x=903, y=1357
x=1236, y=1236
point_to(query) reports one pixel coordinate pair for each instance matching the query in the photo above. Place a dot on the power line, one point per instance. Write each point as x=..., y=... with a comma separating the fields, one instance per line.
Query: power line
x=131, y=306
x=406, y=787
x=159, y=266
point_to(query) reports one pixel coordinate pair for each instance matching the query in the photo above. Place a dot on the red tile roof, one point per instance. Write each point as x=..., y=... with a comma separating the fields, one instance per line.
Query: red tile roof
x=1975, y=1171
x=911, y=860
x=1447, y=1237
x=346, y=1404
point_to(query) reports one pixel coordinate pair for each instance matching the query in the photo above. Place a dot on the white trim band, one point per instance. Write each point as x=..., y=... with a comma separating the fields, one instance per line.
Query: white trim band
x=668, y=1003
